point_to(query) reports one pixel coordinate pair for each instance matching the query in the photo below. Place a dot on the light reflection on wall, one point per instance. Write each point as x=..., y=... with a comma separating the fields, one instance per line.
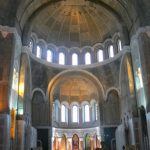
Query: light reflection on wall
x=140, y=88
x=140, y=77
x=21, y=90
x=130, y=77
x=14, y=90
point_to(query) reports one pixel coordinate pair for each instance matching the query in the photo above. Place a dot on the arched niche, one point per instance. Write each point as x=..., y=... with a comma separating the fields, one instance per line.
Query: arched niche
x=75, y=142
x=75, y=85
x=39, y=109
x=111, y=108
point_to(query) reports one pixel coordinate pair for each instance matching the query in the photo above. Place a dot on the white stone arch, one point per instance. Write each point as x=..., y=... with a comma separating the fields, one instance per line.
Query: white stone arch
x=38, y=90
x=55, y=80
x=112, y=89
x=65, y=103
x=52, y=84
x=93, y=101
x=74, y=103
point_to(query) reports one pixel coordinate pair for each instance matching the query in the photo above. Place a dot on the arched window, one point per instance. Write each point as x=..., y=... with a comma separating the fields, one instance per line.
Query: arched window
x=111, y=51
x=100, y=55
x=63, y=113
x=86, y=113
x=74, y=113
x=119, y=44
x=38, y=52
x=74, y=59
x=61, y=58
x=49, y=55
x=87, y=58
x=30, y=45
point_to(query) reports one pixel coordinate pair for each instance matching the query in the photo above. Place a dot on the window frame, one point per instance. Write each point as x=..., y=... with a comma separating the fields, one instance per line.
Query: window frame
x=87, y=58
x=51, y=56
x=77, y=61
x=38, y=51
x=85, y=119
x=63, y=116
x=100, y=58
x=111, y=51
x=77, y=120
x=61, y=58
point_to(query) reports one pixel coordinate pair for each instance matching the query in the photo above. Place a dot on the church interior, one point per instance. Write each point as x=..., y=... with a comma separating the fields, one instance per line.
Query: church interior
x=74, y=74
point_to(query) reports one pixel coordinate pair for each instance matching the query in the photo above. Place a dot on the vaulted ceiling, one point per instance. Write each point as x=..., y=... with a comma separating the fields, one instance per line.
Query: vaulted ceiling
x=76, y=22
x=76, y=88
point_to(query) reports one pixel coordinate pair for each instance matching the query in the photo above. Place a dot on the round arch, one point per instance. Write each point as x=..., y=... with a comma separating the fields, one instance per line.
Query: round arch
x=53, y=83
x=112, y=89
x=38, y=90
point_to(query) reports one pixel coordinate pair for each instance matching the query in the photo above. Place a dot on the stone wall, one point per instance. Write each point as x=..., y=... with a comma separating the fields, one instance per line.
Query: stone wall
x=4, y=132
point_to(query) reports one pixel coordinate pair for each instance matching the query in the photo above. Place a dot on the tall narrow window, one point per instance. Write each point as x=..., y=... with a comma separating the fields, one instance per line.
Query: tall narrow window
x=49, y=56
x=96, y=111
x=74, y=113
x=86, y=113
x=111, y=51
x=119, y=45
x=63, y=113
x=38, y=52
x=87, y=58
x=100, y=55
x=74, y=59
x=61, y=58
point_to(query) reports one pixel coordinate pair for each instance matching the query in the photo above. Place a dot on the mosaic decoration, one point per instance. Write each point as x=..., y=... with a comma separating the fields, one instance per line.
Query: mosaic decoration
x=75, y=142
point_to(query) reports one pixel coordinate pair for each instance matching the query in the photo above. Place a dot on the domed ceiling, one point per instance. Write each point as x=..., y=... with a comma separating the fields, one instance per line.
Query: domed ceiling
x=74, y=24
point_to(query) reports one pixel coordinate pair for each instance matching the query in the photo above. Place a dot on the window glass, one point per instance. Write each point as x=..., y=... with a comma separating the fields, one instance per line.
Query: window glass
x=111, y=51
x=74, y=59
x=87, y=113
x=49, y=56
x=61, y=58
x=38, y=52
x=100, y=55
x=87, y=58
x=63, y=113
x=74, y=114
